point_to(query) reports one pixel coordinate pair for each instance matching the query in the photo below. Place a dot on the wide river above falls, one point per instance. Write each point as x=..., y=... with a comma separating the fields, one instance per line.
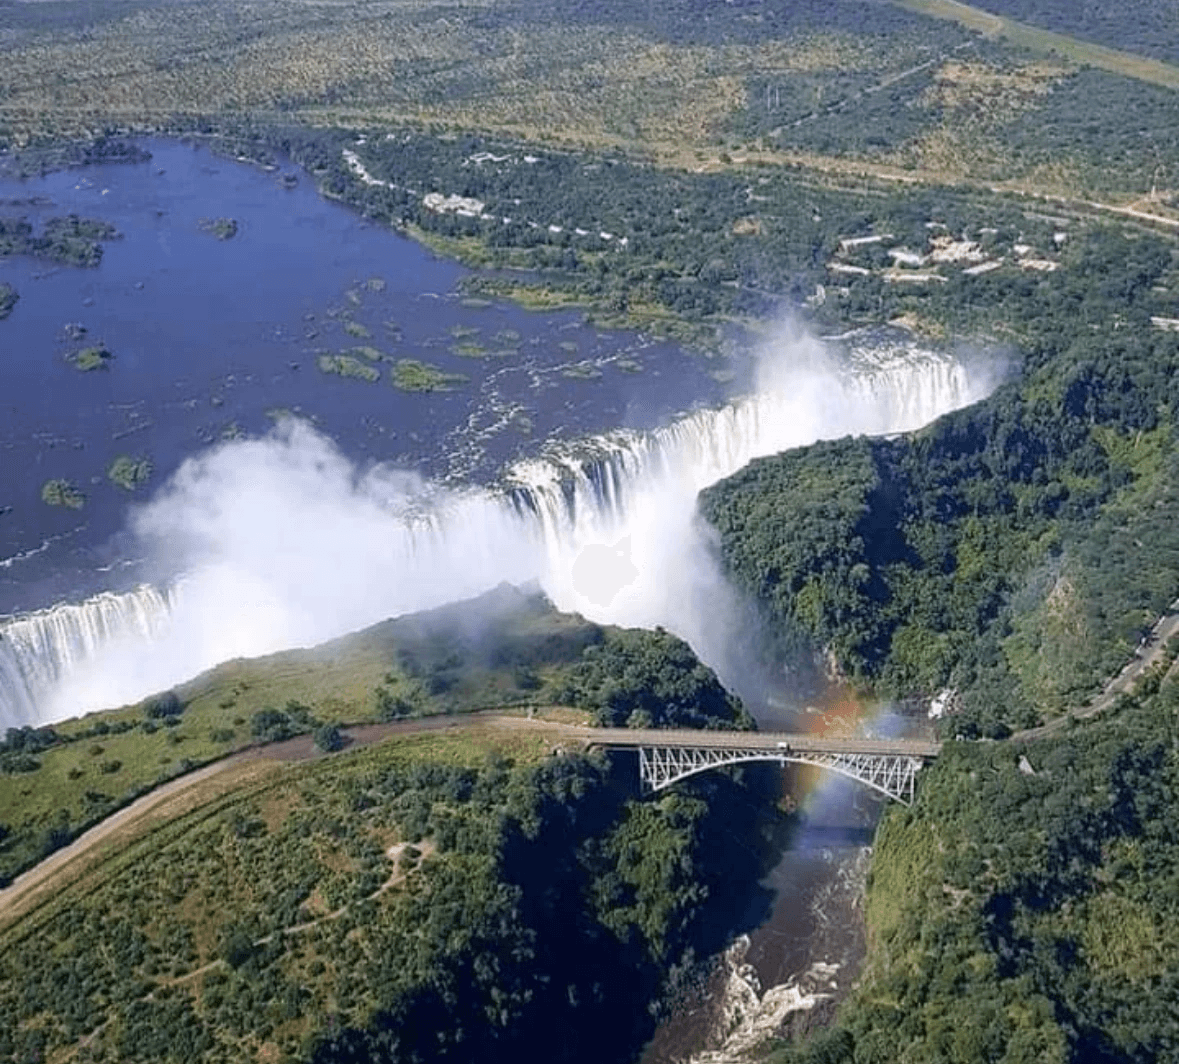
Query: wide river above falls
x=212, y=338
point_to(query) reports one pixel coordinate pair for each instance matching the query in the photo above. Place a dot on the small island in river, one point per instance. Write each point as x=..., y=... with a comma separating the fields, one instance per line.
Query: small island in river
x=221, y=228
x=62, y=493
x=347, y=366
x=89, y=359
x=68, y=241
x=8, y=299
x=413, y=375
x=128, y=473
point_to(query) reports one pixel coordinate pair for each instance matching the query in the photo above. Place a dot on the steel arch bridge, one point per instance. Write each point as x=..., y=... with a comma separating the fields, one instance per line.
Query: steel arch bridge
x=889, y=766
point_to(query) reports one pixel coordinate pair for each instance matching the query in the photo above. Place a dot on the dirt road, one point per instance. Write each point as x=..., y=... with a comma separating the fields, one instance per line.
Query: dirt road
x=204, y=785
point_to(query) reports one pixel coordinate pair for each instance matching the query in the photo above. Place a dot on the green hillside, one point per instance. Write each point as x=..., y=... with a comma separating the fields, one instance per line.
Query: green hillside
x=444, y=898
x=1025, y=908
x=1015, y=551
x=505, y=650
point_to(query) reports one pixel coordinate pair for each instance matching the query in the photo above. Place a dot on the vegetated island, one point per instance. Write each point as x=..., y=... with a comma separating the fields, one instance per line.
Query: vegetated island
x=89, y=359
x=9, y=297
x=68, y=241
x=451, y=891
x=62, y=493
x=412, y=375
x=129, y=473
x=221, y=228
x=348, y=366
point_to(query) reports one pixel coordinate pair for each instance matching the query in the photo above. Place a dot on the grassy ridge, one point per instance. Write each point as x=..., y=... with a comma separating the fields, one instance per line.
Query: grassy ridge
x=443, y=894
x=506, y=649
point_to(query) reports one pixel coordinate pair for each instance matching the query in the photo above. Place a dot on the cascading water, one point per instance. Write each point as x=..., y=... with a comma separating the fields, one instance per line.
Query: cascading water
x=38, y=650
x=632, y=496
x=283, y=543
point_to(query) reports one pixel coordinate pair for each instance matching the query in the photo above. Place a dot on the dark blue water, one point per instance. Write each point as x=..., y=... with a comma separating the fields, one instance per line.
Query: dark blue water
x=213, y=338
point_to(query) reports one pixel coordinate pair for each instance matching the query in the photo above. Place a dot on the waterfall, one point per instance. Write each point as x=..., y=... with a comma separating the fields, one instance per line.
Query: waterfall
x=38, y=650
x=630, y=497
x=283, y=543
x=883, y=397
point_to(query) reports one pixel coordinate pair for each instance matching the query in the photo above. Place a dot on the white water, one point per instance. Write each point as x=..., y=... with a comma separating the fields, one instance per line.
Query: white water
x=284, y=543
x=40, y=650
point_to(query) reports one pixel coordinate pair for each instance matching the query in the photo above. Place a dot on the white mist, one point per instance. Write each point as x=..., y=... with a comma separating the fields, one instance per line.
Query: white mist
x=283, y=542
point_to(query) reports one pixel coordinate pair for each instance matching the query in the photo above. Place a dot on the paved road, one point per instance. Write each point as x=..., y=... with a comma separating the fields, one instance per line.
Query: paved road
x=626, y=738
x=26, y=888
x=170, y=799
x=1149, y=653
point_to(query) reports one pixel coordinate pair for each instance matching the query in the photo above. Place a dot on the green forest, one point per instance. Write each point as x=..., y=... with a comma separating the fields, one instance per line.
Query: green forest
x=1017, y=550
x=440, y=898
x=1026, y=908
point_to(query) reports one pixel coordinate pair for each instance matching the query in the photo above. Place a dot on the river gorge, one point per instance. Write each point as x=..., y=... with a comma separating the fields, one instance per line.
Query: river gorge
x=289, y=504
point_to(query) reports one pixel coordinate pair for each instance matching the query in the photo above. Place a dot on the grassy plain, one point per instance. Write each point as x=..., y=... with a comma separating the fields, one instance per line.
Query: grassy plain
x=820, y=86
x=346, y=869
x=1034, y=38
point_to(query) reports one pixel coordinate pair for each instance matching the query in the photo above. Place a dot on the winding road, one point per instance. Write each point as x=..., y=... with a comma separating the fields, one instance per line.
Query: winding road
x=1149, y=653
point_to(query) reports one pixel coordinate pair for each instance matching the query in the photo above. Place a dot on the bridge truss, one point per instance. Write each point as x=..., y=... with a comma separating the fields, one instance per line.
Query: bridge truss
x=893, y=775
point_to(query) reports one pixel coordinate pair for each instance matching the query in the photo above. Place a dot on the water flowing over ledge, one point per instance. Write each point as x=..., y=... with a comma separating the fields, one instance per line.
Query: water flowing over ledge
x=38, y=650
x=282, y=542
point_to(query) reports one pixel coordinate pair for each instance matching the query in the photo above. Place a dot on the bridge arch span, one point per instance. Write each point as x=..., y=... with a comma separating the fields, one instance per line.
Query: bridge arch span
x=893, y=776
x=667, y=756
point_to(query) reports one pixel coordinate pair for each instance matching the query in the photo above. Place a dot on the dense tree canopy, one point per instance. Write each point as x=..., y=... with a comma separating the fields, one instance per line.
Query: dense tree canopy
x=1025, y=909
x=1016, y=550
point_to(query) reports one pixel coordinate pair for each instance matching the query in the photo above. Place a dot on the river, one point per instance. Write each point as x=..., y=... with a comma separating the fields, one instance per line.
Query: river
x=787, y=974
x=211, y=338
x=564, y=442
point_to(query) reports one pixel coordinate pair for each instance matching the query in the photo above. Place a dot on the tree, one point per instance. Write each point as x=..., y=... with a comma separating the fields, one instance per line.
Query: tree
x=164, y=706
x=328, y=737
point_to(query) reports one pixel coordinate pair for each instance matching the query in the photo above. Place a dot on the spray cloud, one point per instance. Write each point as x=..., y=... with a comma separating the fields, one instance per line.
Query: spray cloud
x=283, y=541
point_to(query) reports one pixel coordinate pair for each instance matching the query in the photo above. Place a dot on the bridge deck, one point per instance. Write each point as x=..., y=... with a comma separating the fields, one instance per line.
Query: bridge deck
x=633, y=738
